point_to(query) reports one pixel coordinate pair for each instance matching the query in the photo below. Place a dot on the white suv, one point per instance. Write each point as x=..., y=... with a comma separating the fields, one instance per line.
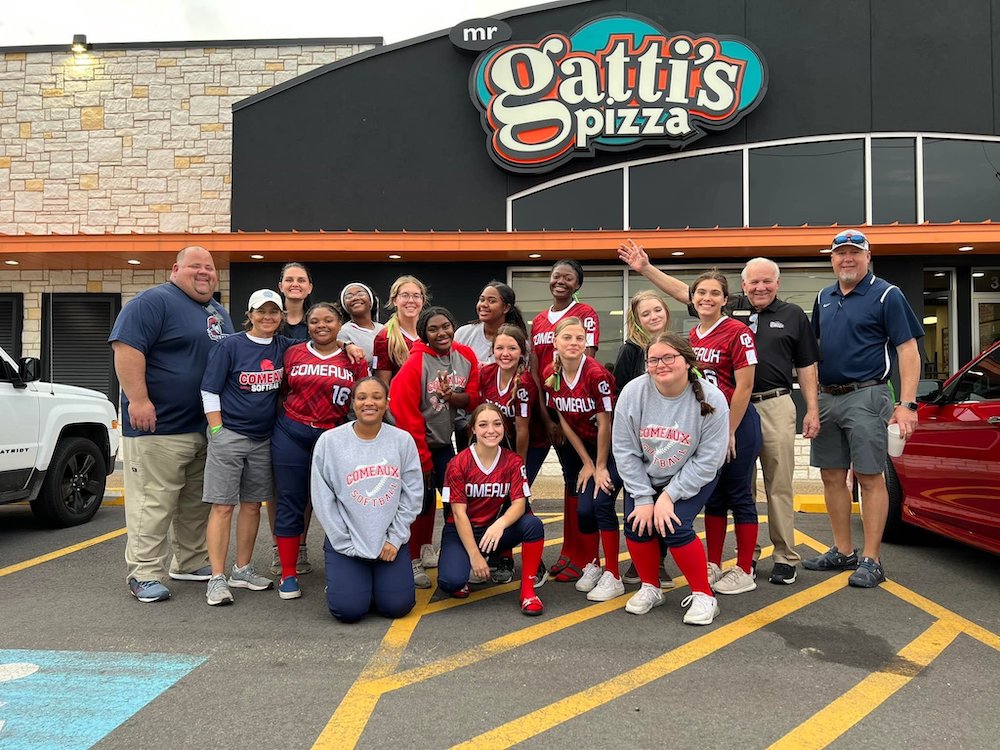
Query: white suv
x=59, y=444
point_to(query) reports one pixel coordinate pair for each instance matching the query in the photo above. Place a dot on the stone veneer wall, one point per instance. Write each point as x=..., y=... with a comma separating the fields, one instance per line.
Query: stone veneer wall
x=130, y=140
x=126, y=140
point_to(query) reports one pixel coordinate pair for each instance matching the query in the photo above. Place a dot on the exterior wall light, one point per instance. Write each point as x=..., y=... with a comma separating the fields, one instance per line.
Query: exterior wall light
x=79, y=43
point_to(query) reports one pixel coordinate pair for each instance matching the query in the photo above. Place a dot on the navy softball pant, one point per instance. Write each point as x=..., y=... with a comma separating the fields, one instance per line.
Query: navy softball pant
x=454, y=564
x=353, y=584
x=733, y=490
x=292, y=446
x=686, y=510
x=596, y=510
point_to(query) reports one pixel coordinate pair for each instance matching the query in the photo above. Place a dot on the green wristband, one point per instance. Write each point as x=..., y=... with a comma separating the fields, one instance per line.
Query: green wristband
x=215, y=429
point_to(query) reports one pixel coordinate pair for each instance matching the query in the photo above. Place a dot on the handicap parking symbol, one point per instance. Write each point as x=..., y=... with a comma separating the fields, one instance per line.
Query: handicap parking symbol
x=72, y=699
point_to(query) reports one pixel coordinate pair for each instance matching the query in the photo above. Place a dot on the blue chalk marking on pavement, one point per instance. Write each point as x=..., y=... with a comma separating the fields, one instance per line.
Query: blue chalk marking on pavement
x=72, y=699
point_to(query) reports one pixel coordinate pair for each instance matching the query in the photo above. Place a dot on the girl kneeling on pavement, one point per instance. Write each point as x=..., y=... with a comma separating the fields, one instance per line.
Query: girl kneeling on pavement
x=239, y=392
x=366, y=490
x=670, y=437
x=486, y=494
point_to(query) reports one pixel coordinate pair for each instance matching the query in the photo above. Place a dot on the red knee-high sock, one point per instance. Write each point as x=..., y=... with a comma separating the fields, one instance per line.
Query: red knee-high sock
x=588, y=548
x=421, y=532
x=690, y=558
x=531, y=555
x=646, y=556
x=746, y=541
x=288, y=553
x=610, y=542
x=571, y=528
x=715, y=537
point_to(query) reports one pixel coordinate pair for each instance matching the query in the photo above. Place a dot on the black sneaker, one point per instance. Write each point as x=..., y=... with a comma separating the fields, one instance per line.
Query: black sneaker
x=631, y=576
x=868, y=575
x=503, y=572
x=832, y=559
x=782, y=573
x=541, y=575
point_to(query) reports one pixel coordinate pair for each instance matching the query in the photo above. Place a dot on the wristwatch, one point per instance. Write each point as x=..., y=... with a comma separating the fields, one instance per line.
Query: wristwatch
x=911, y=405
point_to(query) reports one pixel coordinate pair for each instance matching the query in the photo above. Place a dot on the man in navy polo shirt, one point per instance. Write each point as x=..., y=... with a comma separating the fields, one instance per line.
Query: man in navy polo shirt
x=161, y=342
x=862, y=323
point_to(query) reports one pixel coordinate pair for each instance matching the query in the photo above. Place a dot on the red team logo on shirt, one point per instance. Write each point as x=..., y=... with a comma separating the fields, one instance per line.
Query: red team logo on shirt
x=266, y=379
x=378, y=484
x=665, y=446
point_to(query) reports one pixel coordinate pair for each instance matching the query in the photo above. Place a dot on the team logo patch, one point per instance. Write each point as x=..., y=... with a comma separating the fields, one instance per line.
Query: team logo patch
x=604, y=387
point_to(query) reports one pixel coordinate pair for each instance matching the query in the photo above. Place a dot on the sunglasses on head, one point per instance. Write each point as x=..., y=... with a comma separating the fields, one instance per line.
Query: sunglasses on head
x=850, y=238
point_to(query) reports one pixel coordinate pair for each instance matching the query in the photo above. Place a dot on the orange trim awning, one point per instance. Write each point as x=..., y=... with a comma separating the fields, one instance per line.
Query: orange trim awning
x=93, y=251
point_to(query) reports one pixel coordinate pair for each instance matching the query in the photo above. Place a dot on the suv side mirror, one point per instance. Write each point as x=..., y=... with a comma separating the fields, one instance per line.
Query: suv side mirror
x=29, y=369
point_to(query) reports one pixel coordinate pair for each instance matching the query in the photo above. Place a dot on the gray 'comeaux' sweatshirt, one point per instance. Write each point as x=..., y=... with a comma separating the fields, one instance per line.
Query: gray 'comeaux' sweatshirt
x=659, y=441
x=366, y=492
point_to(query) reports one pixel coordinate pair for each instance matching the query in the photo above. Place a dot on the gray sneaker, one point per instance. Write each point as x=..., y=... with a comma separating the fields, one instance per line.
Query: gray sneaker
x=218, y=592
x=420, y=578
x=302, y=564
x=832, y=559
x=275, y=561
x=247, y=578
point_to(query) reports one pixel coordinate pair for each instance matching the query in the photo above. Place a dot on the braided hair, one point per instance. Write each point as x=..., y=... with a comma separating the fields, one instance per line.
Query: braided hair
x=553, y=381
x=682, y=346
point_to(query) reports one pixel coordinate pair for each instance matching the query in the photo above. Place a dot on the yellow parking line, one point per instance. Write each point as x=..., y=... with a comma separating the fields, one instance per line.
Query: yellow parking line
x=828, y=724
x=352, y=715
x=934, y=609
x=570, y=707
x=16, y=567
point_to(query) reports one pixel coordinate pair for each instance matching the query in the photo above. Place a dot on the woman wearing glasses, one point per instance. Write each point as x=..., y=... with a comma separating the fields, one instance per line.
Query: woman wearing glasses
x=391, y=346
x=670, y=434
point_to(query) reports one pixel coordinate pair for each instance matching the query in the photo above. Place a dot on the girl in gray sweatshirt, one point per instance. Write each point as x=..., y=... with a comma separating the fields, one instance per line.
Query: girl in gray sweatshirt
x=366, y=489
x=669, y=437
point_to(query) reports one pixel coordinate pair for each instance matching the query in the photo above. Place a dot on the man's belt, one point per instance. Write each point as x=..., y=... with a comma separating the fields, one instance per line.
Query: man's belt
x=756, y=398
x=841, y=389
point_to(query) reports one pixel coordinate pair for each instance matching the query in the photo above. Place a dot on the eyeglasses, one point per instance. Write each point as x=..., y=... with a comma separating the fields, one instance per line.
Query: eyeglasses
x=851, y=238
x=410, y=296
x=360, y=294
x=666, y=359
x=752, y=322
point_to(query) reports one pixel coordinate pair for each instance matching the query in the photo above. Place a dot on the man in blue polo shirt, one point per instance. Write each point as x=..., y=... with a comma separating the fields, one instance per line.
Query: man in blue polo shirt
x=862, y=323
x=161, y=342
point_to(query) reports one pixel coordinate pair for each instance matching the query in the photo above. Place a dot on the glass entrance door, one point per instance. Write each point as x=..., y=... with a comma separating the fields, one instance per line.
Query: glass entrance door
x=985, y=321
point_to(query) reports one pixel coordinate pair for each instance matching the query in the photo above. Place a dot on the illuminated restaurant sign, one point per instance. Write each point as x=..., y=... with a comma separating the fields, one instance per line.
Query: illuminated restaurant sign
x=616, y=83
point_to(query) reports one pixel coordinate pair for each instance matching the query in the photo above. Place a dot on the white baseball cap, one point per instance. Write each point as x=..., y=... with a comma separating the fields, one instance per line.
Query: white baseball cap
x=261, y=296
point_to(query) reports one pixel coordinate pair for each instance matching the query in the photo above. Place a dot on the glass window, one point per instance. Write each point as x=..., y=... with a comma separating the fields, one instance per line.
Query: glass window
x=602, y=290
x=700, y=191
x=894, y=181
x=961, y=180
x=938, y=326
x=807, y=183
x=981, y=382
x=593, y=202
x=986, y=280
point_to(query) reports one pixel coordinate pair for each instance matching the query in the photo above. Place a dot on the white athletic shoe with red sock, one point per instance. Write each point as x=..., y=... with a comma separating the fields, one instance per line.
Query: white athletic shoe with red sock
x=703, y=609
x=607, y=588
x=643, y=600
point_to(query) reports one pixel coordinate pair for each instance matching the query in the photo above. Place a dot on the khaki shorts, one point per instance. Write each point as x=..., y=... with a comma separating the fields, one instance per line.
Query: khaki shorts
x=238, y=469
x=853, y=430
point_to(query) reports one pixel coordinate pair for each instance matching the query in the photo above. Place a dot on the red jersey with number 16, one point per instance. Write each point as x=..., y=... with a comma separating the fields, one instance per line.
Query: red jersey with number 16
x=580, y=401
x=319, y=386
x=484, y=490
x=728, y=346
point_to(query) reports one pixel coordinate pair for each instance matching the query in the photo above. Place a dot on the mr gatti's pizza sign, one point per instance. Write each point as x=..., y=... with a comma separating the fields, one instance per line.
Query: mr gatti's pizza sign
x=616, y=83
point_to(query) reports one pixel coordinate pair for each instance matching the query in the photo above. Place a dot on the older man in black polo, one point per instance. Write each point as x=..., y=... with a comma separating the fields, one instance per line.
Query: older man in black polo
x=785, y=343
x=863, y=323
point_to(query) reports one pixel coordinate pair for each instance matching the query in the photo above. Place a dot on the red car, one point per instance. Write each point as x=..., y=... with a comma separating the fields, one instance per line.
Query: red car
x=948, y=478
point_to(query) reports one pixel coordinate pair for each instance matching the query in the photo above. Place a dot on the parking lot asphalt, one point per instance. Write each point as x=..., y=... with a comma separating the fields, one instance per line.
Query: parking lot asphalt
x=915, y=663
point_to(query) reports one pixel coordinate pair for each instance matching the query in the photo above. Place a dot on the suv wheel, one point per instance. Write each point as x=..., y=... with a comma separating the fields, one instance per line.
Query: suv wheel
x=73, y=488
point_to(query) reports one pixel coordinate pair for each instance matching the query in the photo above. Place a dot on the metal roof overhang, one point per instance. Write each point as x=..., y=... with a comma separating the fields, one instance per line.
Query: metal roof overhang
x=105, y=251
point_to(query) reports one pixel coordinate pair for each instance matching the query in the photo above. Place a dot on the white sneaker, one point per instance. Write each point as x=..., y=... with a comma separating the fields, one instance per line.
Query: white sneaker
x=644, y=599
x=714, y=574
x=703, y=609
x=607, y=588
x=734, y=581
x=591, y=575
x=420, y=579
x=428, y=556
